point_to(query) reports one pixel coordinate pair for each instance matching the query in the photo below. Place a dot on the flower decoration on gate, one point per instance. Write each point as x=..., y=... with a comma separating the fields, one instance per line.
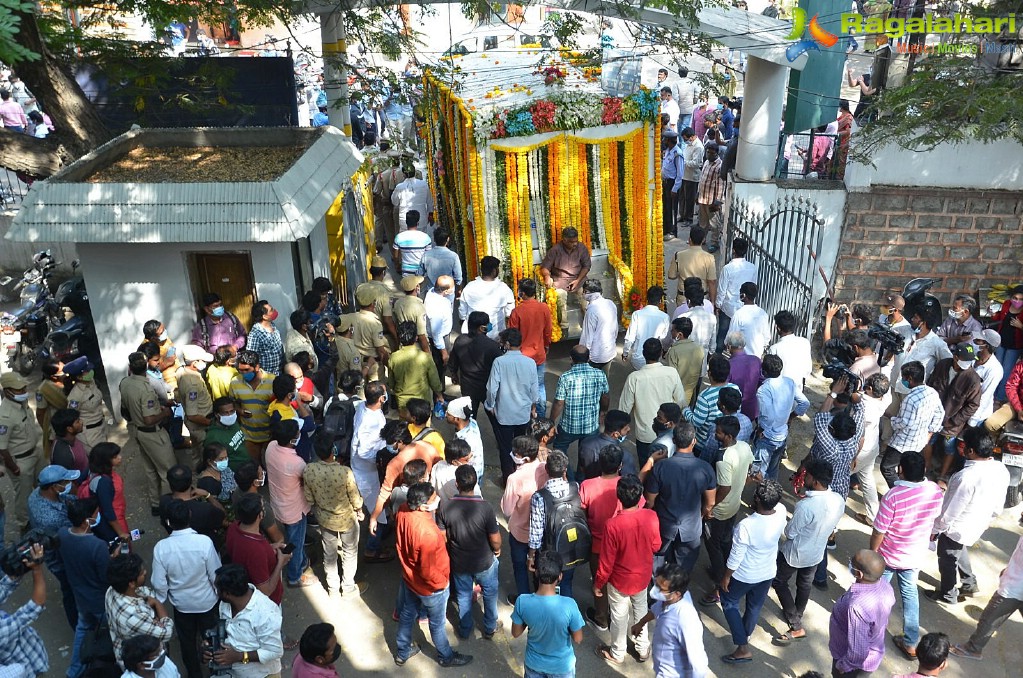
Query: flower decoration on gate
x=612, y=111
x=543, y=115
x=552, y=75
x=520, y=124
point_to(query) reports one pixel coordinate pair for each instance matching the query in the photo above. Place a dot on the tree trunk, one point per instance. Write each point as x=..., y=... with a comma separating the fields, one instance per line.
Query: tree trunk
x=78, y=127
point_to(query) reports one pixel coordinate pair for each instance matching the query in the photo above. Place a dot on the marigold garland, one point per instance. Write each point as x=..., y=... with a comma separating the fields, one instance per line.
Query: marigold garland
x=552, y=304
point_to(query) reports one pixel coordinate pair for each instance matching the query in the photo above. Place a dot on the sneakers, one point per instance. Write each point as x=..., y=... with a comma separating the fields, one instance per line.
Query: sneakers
x=943, y=599
x=591, y=617
x=360, y=588
x=413, y=651
x=489, y=635
x=304, y=580
x=456, y=659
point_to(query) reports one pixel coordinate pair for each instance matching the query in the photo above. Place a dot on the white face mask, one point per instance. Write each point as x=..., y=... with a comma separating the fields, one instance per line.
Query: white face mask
x=657, y=594
x=299, y=382
x=229, y=419
x=964, y=364
x=519, y=461
x=433, y=506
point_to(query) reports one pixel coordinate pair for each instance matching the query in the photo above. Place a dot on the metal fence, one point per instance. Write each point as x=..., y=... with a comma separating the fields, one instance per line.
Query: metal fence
x=12, y=190
x=811, y=155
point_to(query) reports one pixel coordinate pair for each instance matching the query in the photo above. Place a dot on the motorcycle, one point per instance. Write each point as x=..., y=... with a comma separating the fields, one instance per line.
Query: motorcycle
x=77, y=335
x=26, y=329
x=1010, y=452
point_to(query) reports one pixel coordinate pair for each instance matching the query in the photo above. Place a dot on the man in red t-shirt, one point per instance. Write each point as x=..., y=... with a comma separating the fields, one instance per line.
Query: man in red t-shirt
x=597, y=497
x=425, y=574
x=631, y=538
x=533, y=319
x=246, y=546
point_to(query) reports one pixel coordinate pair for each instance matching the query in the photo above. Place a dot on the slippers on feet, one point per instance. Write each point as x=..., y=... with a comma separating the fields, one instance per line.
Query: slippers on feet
x=963, y=652
x=731, y=659
x=604, y=652
x=787, y=638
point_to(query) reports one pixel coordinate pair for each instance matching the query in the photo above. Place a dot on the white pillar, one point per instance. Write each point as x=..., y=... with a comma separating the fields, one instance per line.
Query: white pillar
x=335, y=77
x=760, y=122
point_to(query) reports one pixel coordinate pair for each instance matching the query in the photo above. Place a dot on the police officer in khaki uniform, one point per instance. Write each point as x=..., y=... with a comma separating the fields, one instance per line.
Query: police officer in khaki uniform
x=86, y=397
x=368, y=335
x=348, y=357
x=383, y=296
x=50, y=397
x=139, y=398
x=19, y=443
x=410, y=308
x=194, y=396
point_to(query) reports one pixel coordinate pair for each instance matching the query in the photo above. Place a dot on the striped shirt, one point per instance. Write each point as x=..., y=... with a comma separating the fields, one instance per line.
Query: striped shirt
x=905, y=519
x=858, y=622
x=706, y=412
x=257, y=402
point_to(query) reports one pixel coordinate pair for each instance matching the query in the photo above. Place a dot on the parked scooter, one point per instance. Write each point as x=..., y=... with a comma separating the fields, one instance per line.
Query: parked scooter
x=26, y=329
x=916, y=295
x=1010, y=452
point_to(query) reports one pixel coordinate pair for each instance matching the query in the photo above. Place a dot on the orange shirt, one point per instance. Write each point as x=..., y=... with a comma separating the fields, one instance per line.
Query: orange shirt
x=533, y=319
x=422, y=552
x=396, y=467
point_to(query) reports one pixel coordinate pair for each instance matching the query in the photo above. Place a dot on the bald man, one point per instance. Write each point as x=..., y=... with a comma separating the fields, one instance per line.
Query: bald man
x=860, y=617
x=440, y=302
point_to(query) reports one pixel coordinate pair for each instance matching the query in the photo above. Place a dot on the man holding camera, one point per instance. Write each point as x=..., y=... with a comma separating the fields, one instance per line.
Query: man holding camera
x=19, y=642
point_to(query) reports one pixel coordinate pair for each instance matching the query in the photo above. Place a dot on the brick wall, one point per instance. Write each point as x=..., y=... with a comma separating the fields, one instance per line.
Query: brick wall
x=970, y=239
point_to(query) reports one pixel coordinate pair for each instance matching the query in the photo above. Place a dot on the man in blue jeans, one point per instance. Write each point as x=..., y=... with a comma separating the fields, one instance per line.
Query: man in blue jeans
x=474, y=545
x=425, y=574
x=778, y=397
x=88, y=577
x=553, y=621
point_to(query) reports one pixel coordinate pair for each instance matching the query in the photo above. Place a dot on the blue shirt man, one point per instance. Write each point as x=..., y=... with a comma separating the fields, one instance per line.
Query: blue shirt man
x=553, y=621
x=778, y=398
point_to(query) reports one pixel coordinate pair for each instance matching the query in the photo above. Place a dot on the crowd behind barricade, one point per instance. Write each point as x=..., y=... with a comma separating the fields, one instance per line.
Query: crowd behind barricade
x=329, y=430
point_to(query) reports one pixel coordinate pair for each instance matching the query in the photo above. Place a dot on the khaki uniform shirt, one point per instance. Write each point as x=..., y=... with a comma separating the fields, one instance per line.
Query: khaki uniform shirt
x=193, y=395
x=49, y=398
x=382, y=296
x=367, y=333
x=687, y=358
x=693, y=262
x=19, y=430
x=139, y=396
x=348, y=356
x=86, y=397
x=410, y=308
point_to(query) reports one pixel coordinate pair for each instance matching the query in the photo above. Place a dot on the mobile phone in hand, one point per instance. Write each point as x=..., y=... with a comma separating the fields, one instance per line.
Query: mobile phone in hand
x=288, y=549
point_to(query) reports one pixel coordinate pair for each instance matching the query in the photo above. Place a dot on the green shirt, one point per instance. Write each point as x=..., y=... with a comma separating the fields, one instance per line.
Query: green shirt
x=412, y=374
x=233, y=439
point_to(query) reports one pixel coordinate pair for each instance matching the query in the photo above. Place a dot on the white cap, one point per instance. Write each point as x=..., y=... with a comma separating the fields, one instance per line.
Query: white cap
x=460, y=407
x=190, y=353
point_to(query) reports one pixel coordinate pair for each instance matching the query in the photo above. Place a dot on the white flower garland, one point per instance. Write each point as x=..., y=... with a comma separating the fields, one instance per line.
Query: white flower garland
x=598, y=195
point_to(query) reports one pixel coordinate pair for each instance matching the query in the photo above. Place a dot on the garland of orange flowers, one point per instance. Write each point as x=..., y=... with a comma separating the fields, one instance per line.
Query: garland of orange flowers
x=525, y=240
x=511, y=188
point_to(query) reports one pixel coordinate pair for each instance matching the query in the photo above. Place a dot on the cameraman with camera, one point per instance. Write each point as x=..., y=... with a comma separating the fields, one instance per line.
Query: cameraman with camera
x=19, y=642
x=252, y=646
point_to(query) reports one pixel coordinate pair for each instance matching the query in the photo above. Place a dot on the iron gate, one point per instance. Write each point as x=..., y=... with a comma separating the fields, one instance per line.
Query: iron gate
x=780, y=244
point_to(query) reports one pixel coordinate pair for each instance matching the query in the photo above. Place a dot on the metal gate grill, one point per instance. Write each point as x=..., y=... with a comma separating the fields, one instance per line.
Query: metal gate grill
x=780, y=244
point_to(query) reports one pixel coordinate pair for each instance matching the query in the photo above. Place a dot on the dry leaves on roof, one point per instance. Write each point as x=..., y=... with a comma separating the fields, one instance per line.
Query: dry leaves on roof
x=194, y=164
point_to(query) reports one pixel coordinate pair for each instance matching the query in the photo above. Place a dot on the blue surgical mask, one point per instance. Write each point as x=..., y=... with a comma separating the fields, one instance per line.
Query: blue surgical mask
x=905, y=382
x=220, y=465
x=249, y=376
x=66, y=491
x=95, y=521
x=218, y=312
x=229, y=419
x=490, y=327
x=156, y=374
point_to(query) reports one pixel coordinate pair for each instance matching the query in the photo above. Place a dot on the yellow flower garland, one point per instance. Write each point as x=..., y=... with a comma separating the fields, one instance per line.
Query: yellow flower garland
x=552, y=304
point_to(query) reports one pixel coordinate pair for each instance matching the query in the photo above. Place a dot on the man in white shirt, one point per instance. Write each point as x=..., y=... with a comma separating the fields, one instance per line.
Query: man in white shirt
x=805, y=541
x=410, y=245
x=875, y=399
x=600, y=326
x=752, y=321
x=975, y=496
x=488, y=295
x=686, y=93
x=648, y=322
x=733, y=275
x=669, y=107
x=412, y=194
x=254, y=647
x=752, y=566
x=705, y=323
x=366, y=443
x=990, y=371
x=692, y=160
x=794, y=351
x=440, y=304
x=185, y=567
x=1003, y=604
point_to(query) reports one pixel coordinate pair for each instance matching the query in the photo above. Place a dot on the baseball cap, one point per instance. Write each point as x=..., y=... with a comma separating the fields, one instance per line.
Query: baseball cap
x=895, y=301
x=993, y=339
x=13, y=380
x=409, y=282
x=965, y=351
x=190, y=353
x=56, y=474
x=670, y=134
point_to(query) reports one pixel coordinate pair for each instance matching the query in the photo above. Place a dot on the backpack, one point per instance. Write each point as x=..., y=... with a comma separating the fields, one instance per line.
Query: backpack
x=565, y=528
x=338, y=428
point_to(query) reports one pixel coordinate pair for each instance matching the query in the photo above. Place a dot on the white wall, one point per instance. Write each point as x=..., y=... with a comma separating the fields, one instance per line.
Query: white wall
x=15, y=257
x=129, y=284
x=969, y=165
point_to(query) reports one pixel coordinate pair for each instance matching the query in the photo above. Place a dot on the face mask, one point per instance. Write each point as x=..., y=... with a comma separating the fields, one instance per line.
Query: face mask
x=163, y=337
x=621, y=439
x=157, y=374
x=490, y=327
x=657, y=594
x=218, y=312
x=916, y=331
x=20, y=397
x=155, y=664
x=433, y=506
x=220, y=465
x=199, y=365
x=852, y=570
x=298, y=383
x=659, y=426
x=273, y=315
x=249, y=376
x=905, y=382
x=260, y=482
x=519, y=461
x=66, y=491
x=294, y=442
x=86, y=376
x=955, y=316
x=1016, y=304
x=964, y=364
x=95, y=521
x=229, y=419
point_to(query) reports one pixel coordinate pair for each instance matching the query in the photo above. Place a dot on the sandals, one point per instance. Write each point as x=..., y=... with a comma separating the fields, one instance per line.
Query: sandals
x=604, y=652
x=907, y=651
x=732, y=659
x=787, y=638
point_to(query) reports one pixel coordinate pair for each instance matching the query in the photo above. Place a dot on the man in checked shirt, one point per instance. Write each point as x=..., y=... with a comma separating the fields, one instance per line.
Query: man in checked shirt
x=920, y=417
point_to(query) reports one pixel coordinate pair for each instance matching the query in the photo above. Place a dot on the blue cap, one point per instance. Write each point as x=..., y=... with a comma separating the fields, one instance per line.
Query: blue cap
x=56, y=474
x=77, y=366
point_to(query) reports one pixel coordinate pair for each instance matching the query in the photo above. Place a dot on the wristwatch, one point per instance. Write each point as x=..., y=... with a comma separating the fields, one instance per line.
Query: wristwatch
x=245, y=657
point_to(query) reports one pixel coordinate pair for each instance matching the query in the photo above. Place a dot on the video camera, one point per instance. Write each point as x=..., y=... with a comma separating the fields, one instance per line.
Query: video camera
x=838, y=370
x=214, y=640
x=890, y=341
x=840, y=356
x=12, y=558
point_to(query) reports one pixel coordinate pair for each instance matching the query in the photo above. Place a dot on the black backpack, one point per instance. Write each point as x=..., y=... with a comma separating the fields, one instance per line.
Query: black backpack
x=566, y=530
x=338, y=428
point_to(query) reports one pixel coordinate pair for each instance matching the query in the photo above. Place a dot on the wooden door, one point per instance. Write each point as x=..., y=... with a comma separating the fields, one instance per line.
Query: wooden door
x=229, y=274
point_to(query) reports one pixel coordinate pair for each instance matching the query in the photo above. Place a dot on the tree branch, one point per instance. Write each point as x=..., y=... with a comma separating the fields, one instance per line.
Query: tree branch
x=31, y=156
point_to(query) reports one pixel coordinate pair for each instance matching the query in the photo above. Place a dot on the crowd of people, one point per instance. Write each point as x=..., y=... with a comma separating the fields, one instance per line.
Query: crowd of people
x=20, y=110
x=251, y=440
